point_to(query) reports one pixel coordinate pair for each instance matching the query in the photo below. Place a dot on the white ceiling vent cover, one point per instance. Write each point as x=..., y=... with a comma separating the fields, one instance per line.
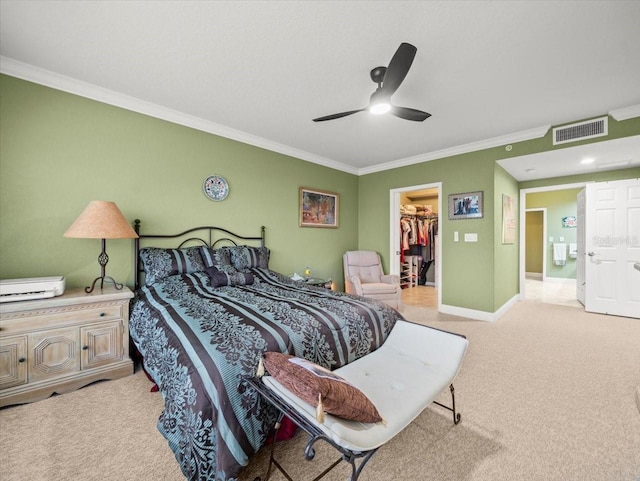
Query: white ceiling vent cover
x=581, y=131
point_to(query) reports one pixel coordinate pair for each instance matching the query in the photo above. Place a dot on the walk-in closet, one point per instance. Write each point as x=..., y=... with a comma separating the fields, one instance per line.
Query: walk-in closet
x=419, y=246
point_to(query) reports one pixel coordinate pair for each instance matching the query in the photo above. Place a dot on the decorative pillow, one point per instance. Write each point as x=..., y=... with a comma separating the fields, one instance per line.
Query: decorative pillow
x=159, y=263
x=228, y=276
x=246, y=257
x=215, y=257
x=309, y=381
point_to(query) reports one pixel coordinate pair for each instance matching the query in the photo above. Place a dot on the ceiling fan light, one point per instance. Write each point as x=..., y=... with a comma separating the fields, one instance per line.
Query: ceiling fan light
x=380, y=108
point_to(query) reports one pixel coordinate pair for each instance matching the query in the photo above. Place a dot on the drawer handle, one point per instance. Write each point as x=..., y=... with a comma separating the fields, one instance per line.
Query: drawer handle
x=84, y=348
x=102, y=314
x=22, y=359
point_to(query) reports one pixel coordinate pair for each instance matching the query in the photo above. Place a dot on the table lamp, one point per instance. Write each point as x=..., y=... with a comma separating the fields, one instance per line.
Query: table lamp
x=101, y=220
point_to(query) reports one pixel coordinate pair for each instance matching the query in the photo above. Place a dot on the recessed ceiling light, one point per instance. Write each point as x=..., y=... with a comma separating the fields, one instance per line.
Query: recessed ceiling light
x=588, y=160
x=609, y=165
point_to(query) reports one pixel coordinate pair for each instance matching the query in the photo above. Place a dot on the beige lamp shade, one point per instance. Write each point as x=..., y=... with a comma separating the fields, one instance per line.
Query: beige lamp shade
x=101, y=220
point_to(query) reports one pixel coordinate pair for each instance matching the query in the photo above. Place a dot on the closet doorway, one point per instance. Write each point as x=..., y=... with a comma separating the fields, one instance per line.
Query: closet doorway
x=415, y=248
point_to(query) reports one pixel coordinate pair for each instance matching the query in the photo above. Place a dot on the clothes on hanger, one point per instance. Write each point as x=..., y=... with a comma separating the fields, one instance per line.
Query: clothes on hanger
x=418, y=228
x=419, y=231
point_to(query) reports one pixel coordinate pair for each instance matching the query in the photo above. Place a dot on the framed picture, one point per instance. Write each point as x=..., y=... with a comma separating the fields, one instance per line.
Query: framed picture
x=465, y=206
x=318, y=208
x=508, y=219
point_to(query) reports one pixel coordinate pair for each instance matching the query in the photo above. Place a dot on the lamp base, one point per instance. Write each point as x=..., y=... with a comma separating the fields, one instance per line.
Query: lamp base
x=102, y=280
x=103, y=258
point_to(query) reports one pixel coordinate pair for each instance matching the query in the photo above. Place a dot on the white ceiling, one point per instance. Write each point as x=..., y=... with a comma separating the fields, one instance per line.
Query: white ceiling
x=585, y=159
x=489, y=72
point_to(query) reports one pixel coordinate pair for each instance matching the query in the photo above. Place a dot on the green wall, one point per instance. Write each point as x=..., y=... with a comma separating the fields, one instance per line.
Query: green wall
x=505, y=256
x=483, y=275
x=466, y=267
x=59, y=151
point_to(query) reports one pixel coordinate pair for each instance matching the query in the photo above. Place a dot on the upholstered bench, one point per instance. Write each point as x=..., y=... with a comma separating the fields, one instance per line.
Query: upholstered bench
x=401, y=378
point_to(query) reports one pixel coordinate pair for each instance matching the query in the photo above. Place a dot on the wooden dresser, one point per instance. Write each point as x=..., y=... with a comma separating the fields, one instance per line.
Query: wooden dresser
x=60, y=344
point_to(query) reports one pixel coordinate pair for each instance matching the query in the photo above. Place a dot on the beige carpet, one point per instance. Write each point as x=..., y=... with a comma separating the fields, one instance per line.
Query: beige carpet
x=546, y=393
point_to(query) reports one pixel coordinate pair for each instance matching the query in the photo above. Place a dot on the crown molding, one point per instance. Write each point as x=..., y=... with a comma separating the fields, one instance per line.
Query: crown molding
x=460, y=149
x=70, y=85
x=626, y=113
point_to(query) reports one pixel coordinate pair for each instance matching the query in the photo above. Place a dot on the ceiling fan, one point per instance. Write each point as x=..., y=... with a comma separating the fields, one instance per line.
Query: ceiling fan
x=388, y=80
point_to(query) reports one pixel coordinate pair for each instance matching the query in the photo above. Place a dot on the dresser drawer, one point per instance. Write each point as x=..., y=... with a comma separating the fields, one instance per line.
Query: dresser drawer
x=28, y=321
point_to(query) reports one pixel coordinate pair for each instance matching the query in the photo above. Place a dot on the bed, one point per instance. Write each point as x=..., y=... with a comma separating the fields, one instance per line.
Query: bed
x=205, y=311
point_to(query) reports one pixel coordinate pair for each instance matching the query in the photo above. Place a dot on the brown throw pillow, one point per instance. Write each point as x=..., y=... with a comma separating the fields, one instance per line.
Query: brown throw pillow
x=309, y=381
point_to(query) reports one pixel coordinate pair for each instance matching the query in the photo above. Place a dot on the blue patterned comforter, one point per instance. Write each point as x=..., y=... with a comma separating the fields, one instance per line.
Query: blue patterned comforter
x=198, y=342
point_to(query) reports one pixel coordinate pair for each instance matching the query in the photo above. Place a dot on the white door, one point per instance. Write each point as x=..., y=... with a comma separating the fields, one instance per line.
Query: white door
x=580, y=238
x=612, y=245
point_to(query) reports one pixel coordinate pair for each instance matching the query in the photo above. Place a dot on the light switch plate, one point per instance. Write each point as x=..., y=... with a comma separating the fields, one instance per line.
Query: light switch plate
x=471, y=237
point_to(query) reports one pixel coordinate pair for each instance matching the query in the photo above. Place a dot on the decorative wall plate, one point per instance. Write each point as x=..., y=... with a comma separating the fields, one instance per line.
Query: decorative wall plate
x=216, y=187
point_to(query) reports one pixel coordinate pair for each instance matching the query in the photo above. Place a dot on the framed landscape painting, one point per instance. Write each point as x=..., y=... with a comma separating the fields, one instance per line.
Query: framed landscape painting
x=318, y=208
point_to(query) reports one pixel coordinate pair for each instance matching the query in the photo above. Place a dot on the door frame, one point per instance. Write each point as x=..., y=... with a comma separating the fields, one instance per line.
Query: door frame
x=523, y=210
x=394, y=231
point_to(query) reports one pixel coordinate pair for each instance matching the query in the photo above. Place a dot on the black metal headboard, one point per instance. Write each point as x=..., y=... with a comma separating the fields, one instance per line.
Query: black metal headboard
x=203, y=235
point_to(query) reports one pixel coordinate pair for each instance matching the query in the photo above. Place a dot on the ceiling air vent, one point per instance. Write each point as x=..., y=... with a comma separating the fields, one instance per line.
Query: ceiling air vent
x=581, y=131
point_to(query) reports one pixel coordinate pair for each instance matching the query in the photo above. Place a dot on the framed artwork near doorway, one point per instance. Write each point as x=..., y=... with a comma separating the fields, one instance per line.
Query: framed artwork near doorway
x=467, y=205
x=508, y=219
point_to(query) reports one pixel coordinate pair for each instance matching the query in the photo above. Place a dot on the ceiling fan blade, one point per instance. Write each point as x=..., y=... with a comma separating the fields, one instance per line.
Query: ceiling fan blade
x=337, y=116
x=398, y=67
x=409, y=114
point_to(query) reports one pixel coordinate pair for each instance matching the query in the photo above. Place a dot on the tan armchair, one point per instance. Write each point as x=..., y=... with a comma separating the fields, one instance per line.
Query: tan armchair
x=363, y=276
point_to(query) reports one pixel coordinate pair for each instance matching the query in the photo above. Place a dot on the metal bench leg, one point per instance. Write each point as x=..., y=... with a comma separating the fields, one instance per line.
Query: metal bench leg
x=346, y=455
x=355, y=473
x=309, y=453
x=456, y=416
x=316, y=434
x=272, y=459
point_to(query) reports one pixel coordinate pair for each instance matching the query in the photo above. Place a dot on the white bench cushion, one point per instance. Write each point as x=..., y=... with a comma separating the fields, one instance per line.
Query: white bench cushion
x=414, y=365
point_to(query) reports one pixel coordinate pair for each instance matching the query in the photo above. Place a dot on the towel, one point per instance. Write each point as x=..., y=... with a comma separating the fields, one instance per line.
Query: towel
x=559, y=254
x=573, y=251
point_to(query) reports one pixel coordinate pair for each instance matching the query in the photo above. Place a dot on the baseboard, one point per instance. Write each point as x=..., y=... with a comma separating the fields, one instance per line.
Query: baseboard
x=479, y=315
x=533, y=275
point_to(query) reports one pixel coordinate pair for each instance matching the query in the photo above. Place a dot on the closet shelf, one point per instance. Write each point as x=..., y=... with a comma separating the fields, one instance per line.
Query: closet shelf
x=409, y=271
